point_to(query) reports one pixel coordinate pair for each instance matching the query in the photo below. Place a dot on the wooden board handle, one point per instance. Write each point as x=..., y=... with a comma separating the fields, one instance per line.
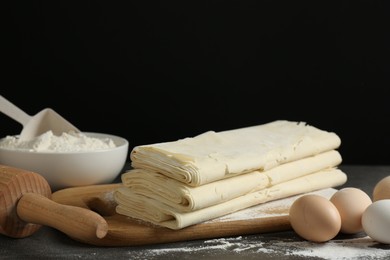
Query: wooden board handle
x=78, y=223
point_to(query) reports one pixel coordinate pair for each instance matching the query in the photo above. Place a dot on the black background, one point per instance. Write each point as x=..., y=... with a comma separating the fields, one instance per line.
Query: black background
x=159, y=71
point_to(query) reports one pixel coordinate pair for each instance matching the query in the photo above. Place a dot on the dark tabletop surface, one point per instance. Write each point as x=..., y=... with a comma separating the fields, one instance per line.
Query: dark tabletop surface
x=48, y=243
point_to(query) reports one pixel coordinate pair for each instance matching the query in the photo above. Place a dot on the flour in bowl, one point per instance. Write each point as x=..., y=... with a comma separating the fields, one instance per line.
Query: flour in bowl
x=66, y=142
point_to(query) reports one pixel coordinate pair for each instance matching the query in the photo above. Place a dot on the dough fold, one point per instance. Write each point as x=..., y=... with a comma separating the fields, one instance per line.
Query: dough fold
x=158, y=213
x=214, y=156
x=185, y=198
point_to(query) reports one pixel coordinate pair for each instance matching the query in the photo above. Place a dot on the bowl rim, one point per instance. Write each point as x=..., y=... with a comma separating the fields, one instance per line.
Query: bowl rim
x=122, y=143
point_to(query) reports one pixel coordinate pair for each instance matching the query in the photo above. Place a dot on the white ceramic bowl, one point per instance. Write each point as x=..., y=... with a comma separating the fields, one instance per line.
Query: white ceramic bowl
x=71, y=169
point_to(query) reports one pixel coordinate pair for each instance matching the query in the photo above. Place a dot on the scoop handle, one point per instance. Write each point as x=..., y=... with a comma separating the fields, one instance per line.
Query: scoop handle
x=78, y=223
x=13, y=111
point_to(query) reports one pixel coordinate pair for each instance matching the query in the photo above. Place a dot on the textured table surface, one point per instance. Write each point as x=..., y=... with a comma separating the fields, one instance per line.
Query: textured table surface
x=49, y=243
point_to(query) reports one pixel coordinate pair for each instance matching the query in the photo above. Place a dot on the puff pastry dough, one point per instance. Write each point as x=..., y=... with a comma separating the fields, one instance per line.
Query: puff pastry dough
x=214, y=156
x=158, y=213
x=184, y=198
x=181, y=183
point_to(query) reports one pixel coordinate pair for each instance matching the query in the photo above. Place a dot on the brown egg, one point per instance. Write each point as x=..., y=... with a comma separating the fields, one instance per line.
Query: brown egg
x=314, y=218
x=382, y=189
x=351, y=203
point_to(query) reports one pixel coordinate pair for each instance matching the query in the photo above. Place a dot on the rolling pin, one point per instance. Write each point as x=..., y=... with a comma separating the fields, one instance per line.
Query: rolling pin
x=26, y=205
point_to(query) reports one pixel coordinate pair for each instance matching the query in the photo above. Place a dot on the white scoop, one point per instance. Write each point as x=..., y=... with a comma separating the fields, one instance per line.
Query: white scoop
x=46, y=120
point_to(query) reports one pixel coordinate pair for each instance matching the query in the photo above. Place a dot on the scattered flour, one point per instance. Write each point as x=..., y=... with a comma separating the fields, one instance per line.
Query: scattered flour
x=343, y=249
x=358, y=248
x=48, y=142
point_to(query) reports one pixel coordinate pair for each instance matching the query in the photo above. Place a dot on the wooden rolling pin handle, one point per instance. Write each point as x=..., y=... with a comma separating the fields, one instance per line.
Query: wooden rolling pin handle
x=76, y=222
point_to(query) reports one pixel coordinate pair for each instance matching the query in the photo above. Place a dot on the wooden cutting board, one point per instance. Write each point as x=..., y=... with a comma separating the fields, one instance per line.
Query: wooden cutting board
x=125, y=231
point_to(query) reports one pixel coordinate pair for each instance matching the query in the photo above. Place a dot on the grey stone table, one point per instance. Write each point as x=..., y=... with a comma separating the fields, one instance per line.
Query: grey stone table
x=49, y=243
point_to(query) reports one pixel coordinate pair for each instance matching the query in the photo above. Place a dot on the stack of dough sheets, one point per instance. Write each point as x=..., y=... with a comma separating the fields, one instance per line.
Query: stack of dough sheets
x=181, y=183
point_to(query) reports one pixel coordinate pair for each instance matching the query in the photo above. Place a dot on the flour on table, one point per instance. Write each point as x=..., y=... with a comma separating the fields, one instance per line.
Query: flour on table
x=66, y=142
x=340, y=249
